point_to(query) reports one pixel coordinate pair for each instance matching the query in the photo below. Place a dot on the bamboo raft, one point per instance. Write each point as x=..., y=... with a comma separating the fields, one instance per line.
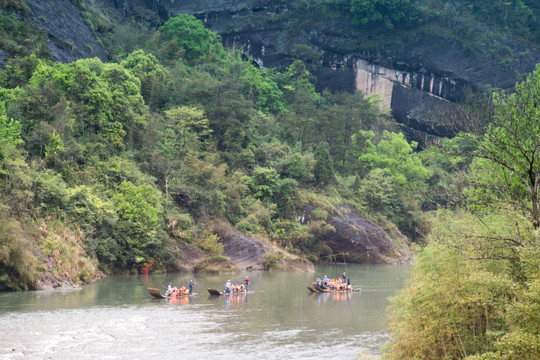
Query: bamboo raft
x=323, y=289
x=217, y=292
x=157, y=294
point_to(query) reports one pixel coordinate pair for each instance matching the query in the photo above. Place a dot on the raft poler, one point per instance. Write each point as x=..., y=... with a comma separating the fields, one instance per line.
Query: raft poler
x=170, y=289
x=227, y=286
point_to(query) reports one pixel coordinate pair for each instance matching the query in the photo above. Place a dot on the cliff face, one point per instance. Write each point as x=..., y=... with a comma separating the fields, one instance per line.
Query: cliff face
x=412, y=79
x=70, y=38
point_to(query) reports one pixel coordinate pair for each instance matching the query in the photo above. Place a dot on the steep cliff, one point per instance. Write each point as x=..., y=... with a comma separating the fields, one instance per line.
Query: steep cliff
x=413, y=76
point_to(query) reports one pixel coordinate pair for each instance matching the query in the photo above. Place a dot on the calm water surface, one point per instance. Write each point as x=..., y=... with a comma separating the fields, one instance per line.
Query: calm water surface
x=117, y=319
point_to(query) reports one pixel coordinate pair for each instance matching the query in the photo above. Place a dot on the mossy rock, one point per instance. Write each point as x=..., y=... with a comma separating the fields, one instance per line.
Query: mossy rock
x=216, y=265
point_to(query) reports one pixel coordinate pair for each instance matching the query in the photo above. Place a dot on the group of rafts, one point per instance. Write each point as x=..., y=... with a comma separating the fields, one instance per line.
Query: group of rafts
x=230, y=289
x=342, y=284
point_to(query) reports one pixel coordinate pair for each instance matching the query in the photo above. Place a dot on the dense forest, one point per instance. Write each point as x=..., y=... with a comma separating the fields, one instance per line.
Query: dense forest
x=107, y=167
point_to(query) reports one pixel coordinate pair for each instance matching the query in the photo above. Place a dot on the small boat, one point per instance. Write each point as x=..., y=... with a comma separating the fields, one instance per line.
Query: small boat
x=324, y=289
x=217, y=292
x=157, y=294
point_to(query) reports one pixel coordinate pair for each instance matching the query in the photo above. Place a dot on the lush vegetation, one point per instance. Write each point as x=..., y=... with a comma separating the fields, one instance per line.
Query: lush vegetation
x=474, y=290
x=108, y=167
x=478, y=25
x=120, y=162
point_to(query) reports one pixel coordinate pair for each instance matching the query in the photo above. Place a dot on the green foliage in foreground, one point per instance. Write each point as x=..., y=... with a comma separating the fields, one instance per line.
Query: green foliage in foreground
x=454, y=307
x=508, y=165
x=474, y=291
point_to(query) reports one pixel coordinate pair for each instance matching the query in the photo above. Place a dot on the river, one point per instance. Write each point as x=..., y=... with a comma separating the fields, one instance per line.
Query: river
x=117, y=319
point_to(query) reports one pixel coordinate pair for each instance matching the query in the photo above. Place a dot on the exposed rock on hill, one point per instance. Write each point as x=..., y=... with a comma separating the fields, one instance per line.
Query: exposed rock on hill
x=360, y=240
x=249, y=253
x=241, y=252
x=70, y=38
x=189, y=257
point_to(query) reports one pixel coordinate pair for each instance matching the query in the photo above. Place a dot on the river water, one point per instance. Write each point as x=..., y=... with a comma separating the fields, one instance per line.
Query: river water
x=117, y=319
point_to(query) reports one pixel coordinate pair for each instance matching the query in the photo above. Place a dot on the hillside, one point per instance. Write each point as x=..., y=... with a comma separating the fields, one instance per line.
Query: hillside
x=132, y=143
x=438, y=54
x=134, y=138
x=174, y=160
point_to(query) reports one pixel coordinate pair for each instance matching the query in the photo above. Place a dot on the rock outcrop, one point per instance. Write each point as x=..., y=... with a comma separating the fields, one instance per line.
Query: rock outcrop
x=189, y=257
x=362, y=241
x=359, y=240
x=70, y=38
x=250, y=252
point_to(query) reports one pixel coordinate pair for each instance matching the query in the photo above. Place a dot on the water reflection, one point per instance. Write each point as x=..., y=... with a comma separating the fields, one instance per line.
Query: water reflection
x=335, y=296
x=179, y=300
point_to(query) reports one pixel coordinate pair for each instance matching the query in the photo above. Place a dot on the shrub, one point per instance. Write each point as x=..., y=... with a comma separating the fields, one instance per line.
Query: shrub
x=209, y=242
x=270, y=260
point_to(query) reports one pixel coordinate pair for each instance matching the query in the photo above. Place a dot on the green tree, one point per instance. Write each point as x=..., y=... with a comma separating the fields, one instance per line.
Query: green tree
x=387, y=12
x=10, y=138
x=230, y=115
x=377, y=189
x=152, y=75
x=108, y=97
x=140, y=209
x=189, y=124
x=394, y=153
x=508, y=164
x=263, y=183
x=188, y=33
x=54, y=148
x=297, y=169
x=264, y=91
x=18, y=266
x=324, y=170
x=342, y=116
x=450, y=308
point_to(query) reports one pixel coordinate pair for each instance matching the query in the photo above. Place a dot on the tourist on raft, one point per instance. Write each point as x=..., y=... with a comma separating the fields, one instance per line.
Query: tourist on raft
x=342, y=283
x=174, y=291
x=227, y=286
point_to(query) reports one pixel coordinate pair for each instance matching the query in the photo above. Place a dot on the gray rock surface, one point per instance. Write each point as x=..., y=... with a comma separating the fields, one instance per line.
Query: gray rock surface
x=362, y=241
x=70, y=38
x=249, y=252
